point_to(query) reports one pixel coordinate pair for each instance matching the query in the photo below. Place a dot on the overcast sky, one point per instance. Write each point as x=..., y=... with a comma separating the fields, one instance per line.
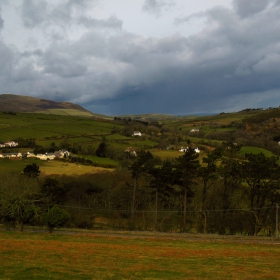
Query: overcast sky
x=120, y=57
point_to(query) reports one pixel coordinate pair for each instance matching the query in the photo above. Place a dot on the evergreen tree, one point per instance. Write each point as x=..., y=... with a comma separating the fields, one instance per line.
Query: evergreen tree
x=187, y=169
x=32, y=170
x=102, y=149
x=262, y=176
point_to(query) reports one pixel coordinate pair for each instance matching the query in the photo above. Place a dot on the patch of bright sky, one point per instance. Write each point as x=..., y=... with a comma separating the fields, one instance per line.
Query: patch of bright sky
x=160, y=23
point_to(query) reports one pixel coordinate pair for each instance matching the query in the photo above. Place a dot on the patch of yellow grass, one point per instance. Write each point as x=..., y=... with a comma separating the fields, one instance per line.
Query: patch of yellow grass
x=62, y=168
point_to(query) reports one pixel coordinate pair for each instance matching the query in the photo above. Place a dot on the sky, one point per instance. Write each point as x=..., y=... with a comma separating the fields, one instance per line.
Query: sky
x=118, y=57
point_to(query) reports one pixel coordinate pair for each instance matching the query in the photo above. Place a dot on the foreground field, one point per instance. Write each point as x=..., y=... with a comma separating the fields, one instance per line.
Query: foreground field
x=88, y=256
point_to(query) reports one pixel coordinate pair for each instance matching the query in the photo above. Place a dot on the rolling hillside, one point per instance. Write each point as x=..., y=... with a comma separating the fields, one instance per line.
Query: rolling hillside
x=27, y=104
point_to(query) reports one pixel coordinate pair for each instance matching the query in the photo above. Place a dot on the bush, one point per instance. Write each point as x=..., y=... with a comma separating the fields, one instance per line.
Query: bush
x=55, y=217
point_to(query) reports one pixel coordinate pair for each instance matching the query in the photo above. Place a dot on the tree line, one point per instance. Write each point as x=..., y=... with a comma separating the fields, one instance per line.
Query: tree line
x=222, y=194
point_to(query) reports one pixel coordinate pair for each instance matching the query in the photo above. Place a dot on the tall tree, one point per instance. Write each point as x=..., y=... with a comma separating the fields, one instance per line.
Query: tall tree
x=102, y=148
x=161, y=183
x=53, y=190
x=262, y=175
x=187, y=170
x=208, y=174
x=230, y=182
x=19, y=198
x=143, y=163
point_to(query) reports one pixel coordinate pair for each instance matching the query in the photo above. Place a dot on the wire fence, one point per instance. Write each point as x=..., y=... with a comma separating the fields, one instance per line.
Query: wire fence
x=242, y=221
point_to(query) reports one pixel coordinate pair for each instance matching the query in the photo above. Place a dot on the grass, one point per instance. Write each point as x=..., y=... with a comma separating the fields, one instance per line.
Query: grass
x=53, y=166
x=166, y=154
x=66, y=112
x=60, y=168
x=255, y=150
x=87, y=256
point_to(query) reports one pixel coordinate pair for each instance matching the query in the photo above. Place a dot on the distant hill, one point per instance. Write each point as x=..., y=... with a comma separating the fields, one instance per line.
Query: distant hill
x=27, y=104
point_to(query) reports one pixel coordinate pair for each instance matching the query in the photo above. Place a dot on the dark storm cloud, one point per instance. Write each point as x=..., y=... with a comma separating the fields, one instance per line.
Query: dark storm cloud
x=231, y=64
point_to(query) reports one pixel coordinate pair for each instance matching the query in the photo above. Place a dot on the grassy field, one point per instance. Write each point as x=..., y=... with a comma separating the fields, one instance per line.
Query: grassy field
x=86, y=256
x=254, y=150
x=54, y=166
x=60, y=168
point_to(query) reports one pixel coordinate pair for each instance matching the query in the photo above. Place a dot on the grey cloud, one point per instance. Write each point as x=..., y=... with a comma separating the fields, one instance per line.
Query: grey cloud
x=6, y=60
x=156, y=6
x=228, y=61
x=247, y=8
x=111, y=22
x=82, y=4
x=189, y=18
x=69, y=13
x=1, y=21
x=32, y=53
x=231, y=64
x=62, y=64
x=33, y=13
x=268, y=64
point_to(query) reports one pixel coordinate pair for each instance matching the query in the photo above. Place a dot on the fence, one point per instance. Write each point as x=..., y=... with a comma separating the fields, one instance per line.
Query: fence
x=258, y=221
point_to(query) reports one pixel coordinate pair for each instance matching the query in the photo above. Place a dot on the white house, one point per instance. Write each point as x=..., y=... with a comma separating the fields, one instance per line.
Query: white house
x=61, y=154
x=131, y=151
x=194, y=130
x=12, y=155
x=29, y=155
x=137, y=133
x=183, y=150
x=11, y=144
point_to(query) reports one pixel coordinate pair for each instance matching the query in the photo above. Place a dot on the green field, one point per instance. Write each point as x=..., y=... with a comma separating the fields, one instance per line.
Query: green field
x=55, y=166
x=255, y=150
x=84, y=134
x=88, y=256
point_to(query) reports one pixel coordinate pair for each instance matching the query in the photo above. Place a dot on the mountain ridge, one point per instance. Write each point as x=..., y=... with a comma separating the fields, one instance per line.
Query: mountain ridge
x=27, y=104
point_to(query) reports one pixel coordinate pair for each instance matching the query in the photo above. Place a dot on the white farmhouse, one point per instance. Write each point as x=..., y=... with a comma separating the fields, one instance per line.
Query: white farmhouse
x=61, y=154
x=131, y=151
x=183, y=150
x=137, y=133
x=11, y=144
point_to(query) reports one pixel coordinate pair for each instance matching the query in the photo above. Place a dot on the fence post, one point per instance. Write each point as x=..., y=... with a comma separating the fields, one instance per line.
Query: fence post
x=276, y=225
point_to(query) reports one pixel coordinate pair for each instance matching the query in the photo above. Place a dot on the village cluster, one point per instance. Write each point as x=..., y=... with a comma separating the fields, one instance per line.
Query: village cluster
x=183, y=149
x=62, y=153
x=46, y=156
x=9, y=144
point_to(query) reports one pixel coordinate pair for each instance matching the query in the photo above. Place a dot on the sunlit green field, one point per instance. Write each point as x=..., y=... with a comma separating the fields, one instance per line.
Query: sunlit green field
x=30, y=126
x=255, y=150
x=86, y=256
x=66, y=112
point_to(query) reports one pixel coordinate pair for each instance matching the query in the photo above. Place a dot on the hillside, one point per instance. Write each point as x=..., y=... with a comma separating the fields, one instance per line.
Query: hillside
x=27, y=104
